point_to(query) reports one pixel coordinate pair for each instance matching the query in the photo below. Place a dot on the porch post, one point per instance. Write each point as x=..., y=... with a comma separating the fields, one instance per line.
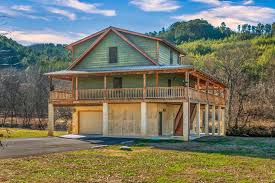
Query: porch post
x=105, y=87
x=76, y=88
x=73, y=87
x=157, y=83
x=213, y=119
x=223, y=123
x=185, y=120
x=206, y=118
x=105, y=119
x=50, y=119
x=186, y=111
x=198, y=118
x=219, y=120
x=143, y=112
x=144, y=86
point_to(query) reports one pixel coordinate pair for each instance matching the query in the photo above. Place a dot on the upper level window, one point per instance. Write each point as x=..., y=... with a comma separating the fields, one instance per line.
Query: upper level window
x=112, y=54
x=171, y=56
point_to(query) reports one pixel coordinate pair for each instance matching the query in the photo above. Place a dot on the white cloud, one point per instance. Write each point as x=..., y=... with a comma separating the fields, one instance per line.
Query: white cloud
x=12, y=13
x=248, y=2
x=81, y=6
x=212, y=2
x=45, y=36
x=233, y=15
x=65, y=13
x=156, y=5
x=22, y=7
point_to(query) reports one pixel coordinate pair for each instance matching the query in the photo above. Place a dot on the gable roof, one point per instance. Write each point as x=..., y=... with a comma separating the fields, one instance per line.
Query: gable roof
x=168, y=43
x=101, y=37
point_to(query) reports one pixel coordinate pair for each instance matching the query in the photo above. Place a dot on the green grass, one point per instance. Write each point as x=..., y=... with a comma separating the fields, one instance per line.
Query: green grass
x=196, y=161
x=26, y=133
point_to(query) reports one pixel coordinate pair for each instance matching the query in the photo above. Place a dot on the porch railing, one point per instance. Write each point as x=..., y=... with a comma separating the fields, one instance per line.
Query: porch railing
x=136, y=93
x=60, y=95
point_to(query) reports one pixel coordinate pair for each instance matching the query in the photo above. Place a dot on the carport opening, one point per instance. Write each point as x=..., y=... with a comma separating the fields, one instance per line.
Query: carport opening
x=63, y=119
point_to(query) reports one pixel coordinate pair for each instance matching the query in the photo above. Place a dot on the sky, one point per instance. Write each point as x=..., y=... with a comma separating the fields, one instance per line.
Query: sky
x=66, y=21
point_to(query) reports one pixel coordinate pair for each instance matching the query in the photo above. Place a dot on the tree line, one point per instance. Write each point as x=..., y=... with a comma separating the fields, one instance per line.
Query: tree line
x=186, y=31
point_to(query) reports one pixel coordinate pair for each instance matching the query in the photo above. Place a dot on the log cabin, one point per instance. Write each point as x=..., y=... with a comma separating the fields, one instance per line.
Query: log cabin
x=124, y=83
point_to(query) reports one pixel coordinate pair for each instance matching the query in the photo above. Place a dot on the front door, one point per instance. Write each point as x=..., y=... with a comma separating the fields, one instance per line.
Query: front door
x=117, y=82
x=160, y=123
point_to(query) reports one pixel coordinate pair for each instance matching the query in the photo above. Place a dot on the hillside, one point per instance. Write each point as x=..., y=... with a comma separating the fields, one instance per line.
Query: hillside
x=48, y=56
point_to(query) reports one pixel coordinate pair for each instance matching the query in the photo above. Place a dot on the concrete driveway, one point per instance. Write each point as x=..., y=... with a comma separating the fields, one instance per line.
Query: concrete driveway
x=37, y=146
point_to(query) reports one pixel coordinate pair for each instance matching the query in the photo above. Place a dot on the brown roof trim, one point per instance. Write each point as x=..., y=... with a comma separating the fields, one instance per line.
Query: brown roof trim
x=70, y=46
x=135, y=47
x=77, y=61
x=150, y=37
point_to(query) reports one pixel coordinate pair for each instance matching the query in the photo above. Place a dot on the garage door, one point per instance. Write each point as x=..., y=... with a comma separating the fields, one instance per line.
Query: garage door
x=90, y=122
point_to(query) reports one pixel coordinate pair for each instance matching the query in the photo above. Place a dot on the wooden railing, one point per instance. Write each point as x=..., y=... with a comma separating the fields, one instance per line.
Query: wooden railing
x=61, y=95
x=165, y=92
x=178, y=92
x=125, y=93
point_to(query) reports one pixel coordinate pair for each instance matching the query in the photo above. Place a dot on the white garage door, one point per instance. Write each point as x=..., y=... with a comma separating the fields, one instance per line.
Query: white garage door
x=90, y=122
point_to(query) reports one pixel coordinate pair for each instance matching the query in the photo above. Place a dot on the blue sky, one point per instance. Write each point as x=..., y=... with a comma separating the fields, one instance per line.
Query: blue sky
x=65, y=21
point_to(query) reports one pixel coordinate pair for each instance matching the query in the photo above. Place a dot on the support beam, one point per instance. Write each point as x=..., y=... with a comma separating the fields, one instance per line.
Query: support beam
x=105, y=87
x=198, y=119
x=143, y=125
x=213, y=119
x=144, y=86
x=73, y=87
x=185, y=120
x=50, y=119
x=76, y=88
x=219, y=120
x=223, y=128
x=206, y=119
x=105, y=119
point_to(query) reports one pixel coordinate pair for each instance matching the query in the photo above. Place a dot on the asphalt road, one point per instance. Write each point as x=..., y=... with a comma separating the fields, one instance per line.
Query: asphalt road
x=38, y=146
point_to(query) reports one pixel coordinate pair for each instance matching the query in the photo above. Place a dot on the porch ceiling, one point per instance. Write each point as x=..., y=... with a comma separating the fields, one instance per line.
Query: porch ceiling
x=69, y=74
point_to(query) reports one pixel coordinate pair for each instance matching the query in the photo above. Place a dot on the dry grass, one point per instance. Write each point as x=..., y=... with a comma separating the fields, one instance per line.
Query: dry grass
x=26, y=133
x=148, y=164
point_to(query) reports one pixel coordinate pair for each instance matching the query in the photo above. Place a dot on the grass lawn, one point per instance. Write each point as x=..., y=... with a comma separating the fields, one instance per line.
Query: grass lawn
x=26, y=133
x=218, y=159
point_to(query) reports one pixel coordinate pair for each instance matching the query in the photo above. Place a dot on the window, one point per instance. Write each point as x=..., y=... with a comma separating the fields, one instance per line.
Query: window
x=112, y=54
x=117, y=82
x=171, y=56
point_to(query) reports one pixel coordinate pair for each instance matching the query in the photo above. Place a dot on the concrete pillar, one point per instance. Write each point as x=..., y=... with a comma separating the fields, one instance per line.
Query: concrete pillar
x=105, y=119
x=223, y=123
x=50, y=119
x=206, y=118
x=213, y=119
x=143, y=125
x=185, y=120
x=219, y=119
x=198, y=118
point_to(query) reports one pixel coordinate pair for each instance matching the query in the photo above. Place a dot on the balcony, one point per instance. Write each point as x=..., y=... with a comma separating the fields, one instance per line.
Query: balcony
x=130, y=94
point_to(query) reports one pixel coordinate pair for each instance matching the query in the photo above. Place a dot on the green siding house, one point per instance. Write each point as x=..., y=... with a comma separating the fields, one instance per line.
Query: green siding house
x=125, y=83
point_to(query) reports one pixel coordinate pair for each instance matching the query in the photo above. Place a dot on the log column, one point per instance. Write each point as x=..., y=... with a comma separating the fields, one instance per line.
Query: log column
x=185, y=120
x=198, y=118
x=219, y=120
x=143, y=125
x=206, y=118
x=144, y=86
x=105, y=119
x=213, y=119
x=76, y=88
x=186, y=110
x=50, y=119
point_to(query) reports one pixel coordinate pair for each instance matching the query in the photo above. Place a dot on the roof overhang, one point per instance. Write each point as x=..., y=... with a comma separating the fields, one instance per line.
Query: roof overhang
x=69, y=74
